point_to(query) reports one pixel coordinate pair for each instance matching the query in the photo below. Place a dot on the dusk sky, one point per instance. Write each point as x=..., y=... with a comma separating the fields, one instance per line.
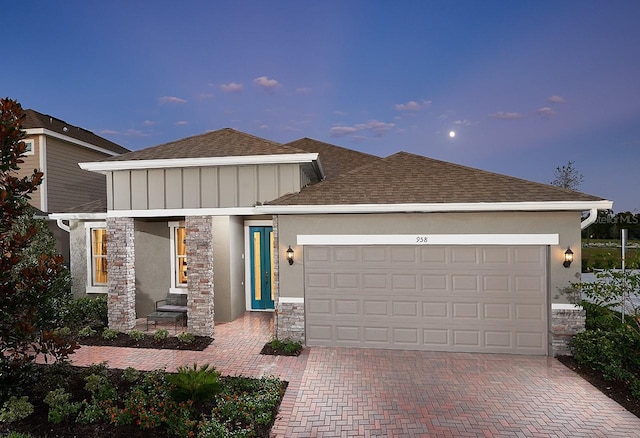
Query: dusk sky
x=526, y=86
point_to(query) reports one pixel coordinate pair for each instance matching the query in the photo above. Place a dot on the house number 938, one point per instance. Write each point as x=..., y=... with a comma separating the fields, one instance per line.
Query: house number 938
x=421, y=239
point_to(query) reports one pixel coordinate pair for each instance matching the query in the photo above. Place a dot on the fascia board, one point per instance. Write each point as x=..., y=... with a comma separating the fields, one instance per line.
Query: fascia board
x=108, y=166
x=439, y=207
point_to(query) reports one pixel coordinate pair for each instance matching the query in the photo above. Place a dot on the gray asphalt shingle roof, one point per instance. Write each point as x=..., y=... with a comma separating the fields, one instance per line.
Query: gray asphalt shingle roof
x=34, y=119
x=405, y=178
x=225, y=142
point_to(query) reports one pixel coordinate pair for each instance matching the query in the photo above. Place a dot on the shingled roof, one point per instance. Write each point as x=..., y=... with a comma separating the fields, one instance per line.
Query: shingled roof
x=225, y=142
x=405, y=178
x=34, y=119
x=335, y=160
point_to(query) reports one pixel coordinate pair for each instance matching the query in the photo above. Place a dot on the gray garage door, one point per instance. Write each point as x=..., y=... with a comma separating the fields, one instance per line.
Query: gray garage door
x=489, y=299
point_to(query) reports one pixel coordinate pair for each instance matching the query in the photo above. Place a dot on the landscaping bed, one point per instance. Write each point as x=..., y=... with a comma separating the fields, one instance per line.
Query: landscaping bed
x=616, y=390
x=104, y=402
x=198, y=343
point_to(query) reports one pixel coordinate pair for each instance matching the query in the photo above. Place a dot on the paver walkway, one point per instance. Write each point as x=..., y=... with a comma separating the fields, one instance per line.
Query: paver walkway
x=337, y=392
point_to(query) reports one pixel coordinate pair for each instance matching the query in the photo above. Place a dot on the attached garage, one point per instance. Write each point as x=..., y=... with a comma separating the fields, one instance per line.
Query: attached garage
x=485, y=298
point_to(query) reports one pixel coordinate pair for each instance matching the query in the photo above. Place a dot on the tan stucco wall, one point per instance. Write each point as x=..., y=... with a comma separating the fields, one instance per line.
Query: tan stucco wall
x=228, y=268
x=78, y=258
x=152, y=265
x=565, y=224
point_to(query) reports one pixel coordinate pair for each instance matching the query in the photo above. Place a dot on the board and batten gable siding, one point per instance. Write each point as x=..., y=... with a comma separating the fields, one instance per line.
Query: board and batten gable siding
x=201, y=187
x=67, y=184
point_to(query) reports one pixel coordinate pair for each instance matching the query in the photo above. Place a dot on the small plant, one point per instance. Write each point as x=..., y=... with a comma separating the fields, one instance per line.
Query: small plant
x=161, y=334
x=15, y=409
x=87, y=331
x=62, y=332
x=100, y=388
x=109, y=334
x=131, y=375
x=195, y=384
x=136, y=335
x=186, y=338
x=287, y=346
x=60, y=406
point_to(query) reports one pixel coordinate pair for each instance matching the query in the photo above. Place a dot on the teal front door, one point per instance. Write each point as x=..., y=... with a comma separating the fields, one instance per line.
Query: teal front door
x=261, y=244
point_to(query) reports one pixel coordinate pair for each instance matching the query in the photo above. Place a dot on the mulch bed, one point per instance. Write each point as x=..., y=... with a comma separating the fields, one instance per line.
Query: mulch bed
x=615, y=390
x=268, y=349
x=170, y=343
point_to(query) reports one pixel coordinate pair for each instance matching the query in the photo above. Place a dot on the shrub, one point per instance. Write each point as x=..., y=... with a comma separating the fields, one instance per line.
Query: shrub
x=186, y=338
x=288, y=346
x=60, y=406
x=136, y=335
x=15, y=409
x=88, y=311
x=100, y=388
x=131, y=375
x=195, y=384
x=109, y=334
x=161, y=334
x=86, y=332
x=62, y=331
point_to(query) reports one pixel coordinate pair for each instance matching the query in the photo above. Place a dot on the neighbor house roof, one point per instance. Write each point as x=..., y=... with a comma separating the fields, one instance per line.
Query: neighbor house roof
x=33, y=119
x=405, y=178
x=335, y=160
x=225, y=142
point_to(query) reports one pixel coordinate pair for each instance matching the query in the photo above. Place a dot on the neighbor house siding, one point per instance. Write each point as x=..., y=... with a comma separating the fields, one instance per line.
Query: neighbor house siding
x=566, y=224
x=32, y=162
x=201, y=187
x=67, y=184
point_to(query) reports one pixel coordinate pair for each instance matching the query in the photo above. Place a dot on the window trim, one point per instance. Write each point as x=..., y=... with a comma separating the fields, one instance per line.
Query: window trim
x=30, y=142
x=175, y=288
x=89, y=227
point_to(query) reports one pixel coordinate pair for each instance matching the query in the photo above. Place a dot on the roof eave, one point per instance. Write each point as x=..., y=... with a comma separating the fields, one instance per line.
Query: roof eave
x=439, y=207
x=109, y=166
x=54, y=134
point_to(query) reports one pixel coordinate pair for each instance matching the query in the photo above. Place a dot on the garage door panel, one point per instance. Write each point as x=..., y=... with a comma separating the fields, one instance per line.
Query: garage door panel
x=389, y=297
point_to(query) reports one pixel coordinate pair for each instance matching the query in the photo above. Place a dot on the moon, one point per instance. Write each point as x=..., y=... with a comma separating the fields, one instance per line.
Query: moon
x=452, y=134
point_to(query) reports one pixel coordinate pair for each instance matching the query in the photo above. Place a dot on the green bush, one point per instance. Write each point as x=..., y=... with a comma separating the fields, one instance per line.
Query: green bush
x=60, y=405
x=287, y=346
x=109, y=334
x=100, y=388
x=131, y=375
x=16, y=409
x=616, y=354
x=186, y=338
x=136, y=335
x=88, y=311
x=161, y=334
x=195, y=384
x=87, y=331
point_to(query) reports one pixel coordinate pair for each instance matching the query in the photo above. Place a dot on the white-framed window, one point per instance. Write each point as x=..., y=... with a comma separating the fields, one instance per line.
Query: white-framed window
x=178, y=243
x=30, y=149
x=96, y=242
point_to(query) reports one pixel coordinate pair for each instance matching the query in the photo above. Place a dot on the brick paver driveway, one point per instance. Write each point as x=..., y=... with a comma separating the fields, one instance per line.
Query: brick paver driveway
x=336, y=392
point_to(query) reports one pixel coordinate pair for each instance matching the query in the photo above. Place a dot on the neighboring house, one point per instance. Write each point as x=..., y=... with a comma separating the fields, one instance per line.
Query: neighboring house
x=55, y=148
x=350, y=249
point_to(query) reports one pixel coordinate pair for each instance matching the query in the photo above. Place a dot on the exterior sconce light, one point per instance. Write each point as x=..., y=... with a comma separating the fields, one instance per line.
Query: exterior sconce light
x=568, y=257
x=290, y=255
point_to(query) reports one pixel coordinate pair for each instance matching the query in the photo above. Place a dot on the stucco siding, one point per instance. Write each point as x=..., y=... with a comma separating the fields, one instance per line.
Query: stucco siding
x=78, y=259
x=201, y=187
x=566, y=224
x=67, y=184
x=153, y=264
x=236, y=251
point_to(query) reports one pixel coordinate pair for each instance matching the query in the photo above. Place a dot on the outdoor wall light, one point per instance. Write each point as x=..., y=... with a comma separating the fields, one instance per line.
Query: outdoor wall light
x=568, y=257
x=290, y=255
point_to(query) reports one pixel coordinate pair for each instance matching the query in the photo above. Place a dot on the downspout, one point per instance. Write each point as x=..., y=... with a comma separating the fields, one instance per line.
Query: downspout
x=62, y=226
x=593, y=215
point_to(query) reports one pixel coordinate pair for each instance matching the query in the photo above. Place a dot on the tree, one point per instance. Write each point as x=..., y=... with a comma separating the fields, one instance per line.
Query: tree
x=33, y=282
x=567, y=177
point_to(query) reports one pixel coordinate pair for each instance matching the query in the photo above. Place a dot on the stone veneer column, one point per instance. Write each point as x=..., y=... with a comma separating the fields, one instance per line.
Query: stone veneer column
x=121, y=303
x=289, y=315
x=566, y=321
x=199, y=242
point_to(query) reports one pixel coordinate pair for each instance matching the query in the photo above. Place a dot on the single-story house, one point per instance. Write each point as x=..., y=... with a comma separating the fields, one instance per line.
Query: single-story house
x=350, y=249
